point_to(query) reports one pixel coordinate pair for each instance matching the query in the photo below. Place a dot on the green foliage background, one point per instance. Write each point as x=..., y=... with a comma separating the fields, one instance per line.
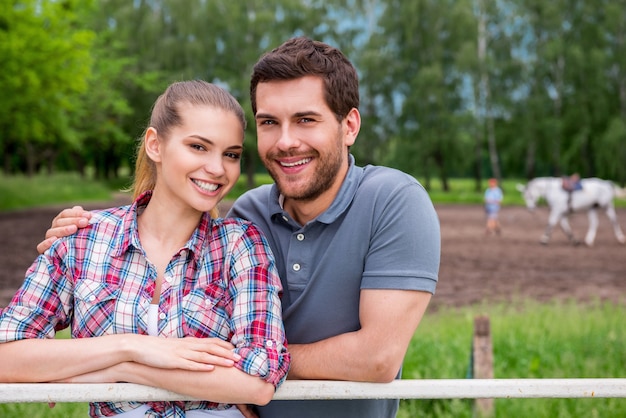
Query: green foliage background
x=450, y=88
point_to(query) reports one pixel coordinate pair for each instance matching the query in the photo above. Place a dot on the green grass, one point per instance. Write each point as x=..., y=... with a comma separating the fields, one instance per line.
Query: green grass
x=463, y=191
x=17, y=192
x=42, y=410
x=66, y=188
x=530, y=340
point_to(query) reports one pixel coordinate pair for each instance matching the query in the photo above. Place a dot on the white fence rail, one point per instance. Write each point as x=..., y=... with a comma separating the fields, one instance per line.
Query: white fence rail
x=322, y=389
x=482, y=387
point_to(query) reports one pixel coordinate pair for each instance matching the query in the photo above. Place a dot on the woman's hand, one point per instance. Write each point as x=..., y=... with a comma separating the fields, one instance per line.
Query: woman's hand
x=195, y=354
x=190, y=353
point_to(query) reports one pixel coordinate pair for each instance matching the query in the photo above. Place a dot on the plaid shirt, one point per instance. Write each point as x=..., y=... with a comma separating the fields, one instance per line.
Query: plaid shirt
x=223, y=283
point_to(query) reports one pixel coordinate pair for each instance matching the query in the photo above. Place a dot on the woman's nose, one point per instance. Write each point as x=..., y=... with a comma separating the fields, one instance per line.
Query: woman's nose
x=215, y=166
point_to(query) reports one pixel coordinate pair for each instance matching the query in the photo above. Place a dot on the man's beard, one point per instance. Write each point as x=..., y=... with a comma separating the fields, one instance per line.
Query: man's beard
x=318, y=183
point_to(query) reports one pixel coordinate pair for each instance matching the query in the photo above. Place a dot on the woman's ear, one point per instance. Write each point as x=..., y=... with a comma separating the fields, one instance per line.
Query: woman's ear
x=152, y=144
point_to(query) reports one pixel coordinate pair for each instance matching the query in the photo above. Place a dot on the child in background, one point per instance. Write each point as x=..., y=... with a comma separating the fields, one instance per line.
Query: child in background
x=493, y=201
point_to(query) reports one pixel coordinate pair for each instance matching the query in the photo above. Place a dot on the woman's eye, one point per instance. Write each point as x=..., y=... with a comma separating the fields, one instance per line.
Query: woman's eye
x=233, y=155
x=198, y=147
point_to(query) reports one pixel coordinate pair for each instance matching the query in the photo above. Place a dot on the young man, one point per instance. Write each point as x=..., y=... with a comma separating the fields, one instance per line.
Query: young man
x=357, y=248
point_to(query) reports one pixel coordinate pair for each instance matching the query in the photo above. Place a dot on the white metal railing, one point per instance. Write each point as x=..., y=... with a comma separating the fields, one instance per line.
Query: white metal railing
x=482, y=387
x=323, y=389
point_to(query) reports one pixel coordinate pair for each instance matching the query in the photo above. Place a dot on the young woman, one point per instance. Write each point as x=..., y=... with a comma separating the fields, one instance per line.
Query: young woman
x=160, y=292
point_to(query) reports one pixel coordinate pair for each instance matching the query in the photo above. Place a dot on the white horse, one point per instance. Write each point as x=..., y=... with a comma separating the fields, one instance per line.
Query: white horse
x=596, y=193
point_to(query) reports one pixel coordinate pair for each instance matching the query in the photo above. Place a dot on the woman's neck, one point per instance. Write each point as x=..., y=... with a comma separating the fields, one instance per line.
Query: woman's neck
x=166, y=225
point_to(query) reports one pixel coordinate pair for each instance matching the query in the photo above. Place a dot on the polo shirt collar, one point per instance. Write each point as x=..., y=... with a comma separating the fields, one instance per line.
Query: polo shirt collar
x=344, y=197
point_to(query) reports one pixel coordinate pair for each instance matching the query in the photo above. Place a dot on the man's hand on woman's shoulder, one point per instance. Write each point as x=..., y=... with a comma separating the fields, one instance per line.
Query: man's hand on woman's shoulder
x=67, y=222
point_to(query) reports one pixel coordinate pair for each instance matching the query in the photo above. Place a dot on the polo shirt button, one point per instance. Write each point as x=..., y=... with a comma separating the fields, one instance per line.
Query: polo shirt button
x=300, y=237
x=286, y=219
x=296, y=267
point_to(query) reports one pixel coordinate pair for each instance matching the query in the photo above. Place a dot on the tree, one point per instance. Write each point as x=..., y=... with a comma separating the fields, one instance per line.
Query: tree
x=419, y=84
x=210, y=40
x=46, y=62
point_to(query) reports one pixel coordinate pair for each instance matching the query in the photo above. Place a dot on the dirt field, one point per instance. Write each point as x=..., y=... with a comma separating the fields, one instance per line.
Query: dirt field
x=474, y=267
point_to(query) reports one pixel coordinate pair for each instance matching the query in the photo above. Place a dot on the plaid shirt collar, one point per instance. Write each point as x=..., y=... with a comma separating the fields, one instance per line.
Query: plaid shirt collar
x=128, y=234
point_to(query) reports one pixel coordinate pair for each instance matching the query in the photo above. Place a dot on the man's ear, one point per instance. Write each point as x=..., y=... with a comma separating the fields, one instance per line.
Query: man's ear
x=352, y=123
x=152, y=144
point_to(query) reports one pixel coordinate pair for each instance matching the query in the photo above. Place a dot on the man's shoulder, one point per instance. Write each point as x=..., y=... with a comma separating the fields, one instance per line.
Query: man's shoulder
x=260, y=192
x=387, y=181
x=253, y=204
x=383, y=188
x=258, y=195
x=379, y=173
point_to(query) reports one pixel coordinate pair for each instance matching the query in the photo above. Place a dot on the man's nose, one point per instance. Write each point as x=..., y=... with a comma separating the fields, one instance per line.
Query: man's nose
x=288, y=138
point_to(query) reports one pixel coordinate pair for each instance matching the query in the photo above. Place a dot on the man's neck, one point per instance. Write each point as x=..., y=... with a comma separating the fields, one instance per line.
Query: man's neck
x=305, y=210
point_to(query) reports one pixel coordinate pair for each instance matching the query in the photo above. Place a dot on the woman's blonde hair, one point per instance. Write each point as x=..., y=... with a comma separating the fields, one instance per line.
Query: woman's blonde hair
x=166, y=115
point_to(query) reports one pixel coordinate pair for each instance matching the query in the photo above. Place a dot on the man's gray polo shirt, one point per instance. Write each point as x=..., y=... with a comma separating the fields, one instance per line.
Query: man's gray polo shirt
x=381, y=232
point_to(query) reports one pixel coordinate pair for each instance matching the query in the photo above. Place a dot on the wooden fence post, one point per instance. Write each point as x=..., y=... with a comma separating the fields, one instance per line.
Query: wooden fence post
x=482, y=362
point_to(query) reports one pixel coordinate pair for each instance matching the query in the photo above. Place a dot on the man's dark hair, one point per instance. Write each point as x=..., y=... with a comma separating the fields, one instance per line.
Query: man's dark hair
x=300, y=57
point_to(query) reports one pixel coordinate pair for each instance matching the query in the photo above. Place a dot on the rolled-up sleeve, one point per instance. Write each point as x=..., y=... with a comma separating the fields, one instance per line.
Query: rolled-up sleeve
x=41, y=305
x=255, y=288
